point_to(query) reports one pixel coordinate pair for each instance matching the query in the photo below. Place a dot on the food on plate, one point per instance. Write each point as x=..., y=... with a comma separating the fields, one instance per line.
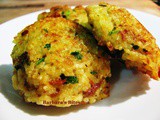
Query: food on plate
x=78, y=14
x=114, y=27
x=117, y=29
x=57, y=63
x=57, y=60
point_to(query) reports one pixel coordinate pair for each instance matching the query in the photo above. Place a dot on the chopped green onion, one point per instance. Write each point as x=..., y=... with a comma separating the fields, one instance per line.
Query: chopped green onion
x=93, y=72
x=48, y=46
x=71, y=79
x=77, y=55
x=40, y=60
x=65, y=14
x=45, y=30
x=113, y=32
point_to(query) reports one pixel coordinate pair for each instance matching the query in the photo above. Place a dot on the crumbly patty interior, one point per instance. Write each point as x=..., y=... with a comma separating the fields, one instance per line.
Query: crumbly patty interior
x=117, y=29
x=57, y=63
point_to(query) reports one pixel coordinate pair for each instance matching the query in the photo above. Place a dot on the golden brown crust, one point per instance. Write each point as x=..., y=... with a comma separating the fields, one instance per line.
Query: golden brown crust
x=77, y=14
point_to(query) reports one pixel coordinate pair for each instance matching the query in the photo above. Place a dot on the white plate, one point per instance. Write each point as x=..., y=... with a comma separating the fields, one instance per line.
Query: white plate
x=133, y=96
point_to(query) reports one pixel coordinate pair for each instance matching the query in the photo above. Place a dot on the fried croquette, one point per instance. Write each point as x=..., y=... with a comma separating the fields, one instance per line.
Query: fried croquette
x=117, y=29
x=57, y=63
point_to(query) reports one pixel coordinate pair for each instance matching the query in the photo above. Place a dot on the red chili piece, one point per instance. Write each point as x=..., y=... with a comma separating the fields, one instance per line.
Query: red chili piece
x=93, y=89
x=57, y=82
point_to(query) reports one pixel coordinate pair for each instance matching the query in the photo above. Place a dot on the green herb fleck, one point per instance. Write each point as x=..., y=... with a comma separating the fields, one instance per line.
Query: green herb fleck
x=40, y=60
x=135, y=47
x=77, y=55
x=71, y=79
x=45, y=30
x=48, y=46
x=93, y=72
x=113, y=32
x=66, y=14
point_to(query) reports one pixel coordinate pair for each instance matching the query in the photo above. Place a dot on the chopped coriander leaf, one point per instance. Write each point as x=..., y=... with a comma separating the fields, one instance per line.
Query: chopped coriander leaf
x=113, y=32
x=77, y=55
x=45, y=30
x=93, y=72
x=48, y=46
x=40, y=60
x=65, y=14
x=71, y=79
x=135, y=47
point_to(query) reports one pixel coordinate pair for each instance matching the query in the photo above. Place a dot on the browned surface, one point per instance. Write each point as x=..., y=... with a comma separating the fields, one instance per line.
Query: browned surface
x=13, y=8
